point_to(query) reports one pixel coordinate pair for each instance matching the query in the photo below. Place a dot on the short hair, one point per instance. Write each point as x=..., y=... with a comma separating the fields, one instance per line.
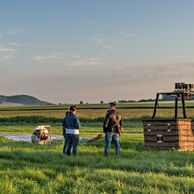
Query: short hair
x=73, y=108
x=113, y=104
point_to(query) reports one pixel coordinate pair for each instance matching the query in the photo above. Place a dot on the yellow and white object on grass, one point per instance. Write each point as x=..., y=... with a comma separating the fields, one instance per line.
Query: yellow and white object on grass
x=40, y=134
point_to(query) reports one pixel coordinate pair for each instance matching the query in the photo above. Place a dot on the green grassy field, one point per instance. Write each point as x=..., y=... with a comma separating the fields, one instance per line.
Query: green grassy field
x=29, y=168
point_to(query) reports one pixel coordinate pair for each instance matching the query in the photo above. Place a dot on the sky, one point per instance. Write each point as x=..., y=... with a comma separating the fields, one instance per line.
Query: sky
x=66, y=51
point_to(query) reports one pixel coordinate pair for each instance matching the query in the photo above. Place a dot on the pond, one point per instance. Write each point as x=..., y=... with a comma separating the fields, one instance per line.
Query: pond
x=27, y=138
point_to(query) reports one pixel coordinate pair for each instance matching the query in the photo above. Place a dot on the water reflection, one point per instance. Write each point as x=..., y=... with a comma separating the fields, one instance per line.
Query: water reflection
x=27, y=138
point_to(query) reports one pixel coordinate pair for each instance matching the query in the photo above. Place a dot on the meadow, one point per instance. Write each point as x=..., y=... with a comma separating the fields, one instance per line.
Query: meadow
x=30, y=168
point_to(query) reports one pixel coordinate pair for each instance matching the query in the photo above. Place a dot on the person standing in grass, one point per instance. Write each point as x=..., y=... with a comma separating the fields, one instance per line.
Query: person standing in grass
x=112, y=122
x=64, y=134
x=71, y=124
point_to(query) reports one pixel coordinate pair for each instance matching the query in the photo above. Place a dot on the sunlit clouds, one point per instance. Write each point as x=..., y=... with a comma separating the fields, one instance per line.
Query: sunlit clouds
x=95, y=50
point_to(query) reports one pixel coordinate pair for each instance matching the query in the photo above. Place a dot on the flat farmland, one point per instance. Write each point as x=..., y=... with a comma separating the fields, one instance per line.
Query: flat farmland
x=128, y=110
x=30, y=168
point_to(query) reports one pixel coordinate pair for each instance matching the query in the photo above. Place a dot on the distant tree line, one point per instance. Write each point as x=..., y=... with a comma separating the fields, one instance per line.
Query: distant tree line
x=164, y=98
x=142, y=100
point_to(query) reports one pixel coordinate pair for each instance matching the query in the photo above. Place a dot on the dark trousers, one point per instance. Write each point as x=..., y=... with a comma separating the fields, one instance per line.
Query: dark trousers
x=65, y=144
x=72, y=140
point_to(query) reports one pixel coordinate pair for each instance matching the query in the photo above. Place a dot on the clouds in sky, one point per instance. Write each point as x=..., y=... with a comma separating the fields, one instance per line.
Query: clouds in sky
x=6, y=53
x=95, y=50
x=2, y=49
x=51, y=56
x=103, y=41
x=87, y=61
x=8, y=33
x=75, y=60
x=126, y=34
x=111, y=42
x=100, y=39
x=124, y=82
x=16, y=44
x=10, y=49
x=91, y=76
x=160, y=72
x=5, y=58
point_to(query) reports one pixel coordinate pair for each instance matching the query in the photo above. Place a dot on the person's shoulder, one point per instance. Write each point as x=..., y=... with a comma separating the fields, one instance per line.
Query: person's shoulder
x=111, y=113
x=118, y=113
x=108, y=113
x=67, y=116
x=74, y=116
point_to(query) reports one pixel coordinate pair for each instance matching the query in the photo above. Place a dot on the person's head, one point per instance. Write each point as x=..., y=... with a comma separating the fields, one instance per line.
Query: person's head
x=73, y=109
x=111, y=106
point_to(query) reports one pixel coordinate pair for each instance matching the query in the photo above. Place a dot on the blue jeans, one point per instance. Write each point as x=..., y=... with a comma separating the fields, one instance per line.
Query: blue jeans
x=65, y=144
x=111, y=136
x=72, y=140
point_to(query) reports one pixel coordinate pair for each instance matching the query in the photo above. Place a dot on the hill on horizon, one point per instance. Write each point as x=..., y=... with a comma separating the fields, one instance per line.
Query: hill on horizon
x=22, y=99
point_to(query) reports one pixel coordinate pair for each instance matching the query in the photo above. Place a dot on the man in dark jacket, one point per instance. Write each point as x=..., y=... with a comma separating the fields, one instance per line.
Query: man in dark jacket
x=112, y=121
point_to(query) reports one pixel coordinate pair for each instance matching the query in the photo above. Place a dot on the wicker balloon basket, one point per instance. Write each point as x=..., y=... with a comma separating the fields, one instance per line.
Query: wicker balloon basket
x=171, y=133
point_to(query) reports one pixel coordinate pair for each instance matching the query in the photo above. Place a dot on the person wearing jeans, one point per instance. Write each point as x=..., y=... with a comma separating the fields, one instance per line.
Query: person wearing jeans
x=109, y=136
x=72, y=125
x=72, y=140
x=110, y=128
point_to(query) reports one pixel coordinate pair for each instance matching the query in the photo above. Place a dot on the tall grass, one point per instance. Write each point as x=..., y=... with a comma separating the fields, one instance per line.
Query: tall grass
x=31, y=168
